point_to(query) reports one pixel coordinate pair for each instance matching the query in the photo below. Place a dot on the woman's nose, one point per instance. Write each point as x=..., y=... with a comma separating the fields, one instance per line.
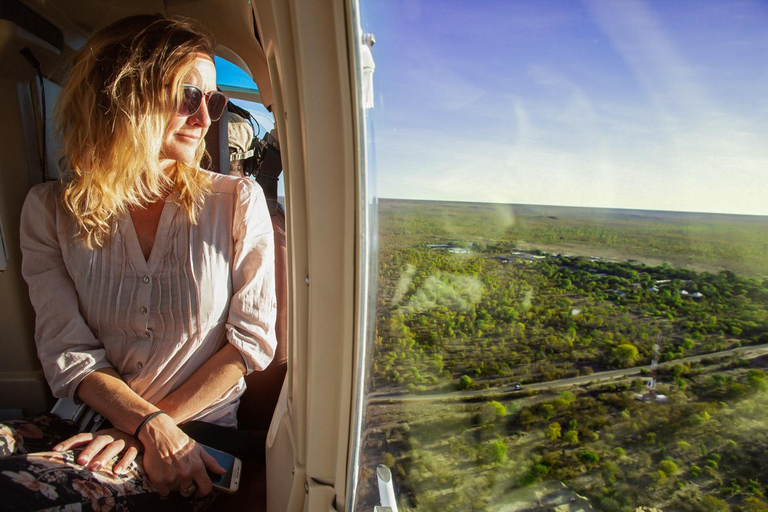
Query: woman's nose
x=201, y=117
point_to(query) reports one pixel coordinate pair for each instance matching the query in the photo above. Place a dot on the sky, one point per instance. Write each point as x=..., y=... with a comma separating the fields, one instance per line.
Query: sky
x=659, y=105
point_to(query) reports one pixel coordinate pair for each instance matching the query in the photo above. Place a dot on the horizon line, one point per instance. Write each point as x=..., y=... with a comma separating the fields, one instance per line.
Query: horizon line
x=574, y=206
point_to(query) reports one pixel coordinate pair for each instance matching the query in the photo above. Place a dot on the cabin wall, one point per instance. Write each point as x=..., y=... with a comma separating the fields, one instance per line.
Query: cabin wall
x=22, y=384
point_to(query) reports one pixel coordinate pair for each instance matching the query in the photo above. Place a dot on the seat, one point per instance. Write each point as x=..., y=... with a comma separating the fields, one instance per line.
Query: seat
x=258, y=403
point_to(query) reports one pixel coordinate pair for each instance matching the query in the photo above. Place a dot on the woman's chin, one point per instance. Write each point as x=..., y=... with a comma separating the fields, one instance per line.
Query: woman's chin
x=168, y=162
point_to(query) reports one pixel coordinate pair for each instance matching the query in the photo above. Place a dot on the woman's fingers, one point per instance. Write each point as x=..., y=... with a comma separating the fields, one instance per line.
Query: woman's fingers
x=101, y=448
x=211, y=463
x=102, y=459
x=204, y=484
x=122, y=466
x=203, y=481
x=93, y=449
x=162, y=489
x=73, y=442
x=187, y=488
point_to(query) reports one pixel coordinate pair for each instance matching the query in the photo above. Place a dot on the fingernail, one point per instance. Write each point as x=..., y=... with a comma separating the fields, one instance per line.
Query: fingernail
x=56, y=448
x=96, y=466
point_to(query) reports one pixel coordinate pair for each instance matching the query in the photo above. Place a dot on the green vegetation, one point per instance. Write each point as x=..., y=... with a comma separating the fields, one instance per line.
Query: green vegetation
x=476, y=320
x=699, y=241
x=507, y=312
x=659, y=454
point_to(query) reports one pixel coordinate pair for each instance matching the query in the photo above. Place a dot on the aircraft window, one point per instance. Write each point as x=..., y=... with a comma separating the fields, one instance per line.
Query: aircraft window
x=231, y=78
x=243, y=91
x=572, y=309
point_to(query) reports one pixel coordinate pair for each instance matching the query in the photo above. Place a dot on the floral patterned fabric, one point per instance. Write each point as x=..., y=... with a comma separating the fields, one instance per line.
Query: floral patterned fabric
x=53, y=481
x=34, y=435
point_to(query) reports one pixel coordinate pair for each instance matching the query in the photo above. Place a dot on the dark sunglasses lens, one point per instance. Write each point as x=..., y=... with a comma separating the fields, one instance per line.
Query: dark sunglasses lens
x=191, y=101
x=217, y=104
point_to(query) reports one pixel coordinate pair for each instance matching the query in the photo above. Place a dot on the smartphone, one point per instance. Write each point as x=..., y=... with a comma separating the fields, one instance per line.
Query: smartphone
x=229, y=481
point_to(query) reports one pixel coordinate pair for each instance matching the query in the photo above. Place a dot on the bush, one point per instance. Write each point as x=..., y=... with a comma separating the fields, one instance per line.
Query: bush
x=757, y=380
x=496, y=451
x=712, y=504
x=465, y=382
x=536, y=474
x=388, y=460
x=554, y=431
x=626, y=354
x=669, y=467
x=753, y=504
x=492, y=411
x=588, y=456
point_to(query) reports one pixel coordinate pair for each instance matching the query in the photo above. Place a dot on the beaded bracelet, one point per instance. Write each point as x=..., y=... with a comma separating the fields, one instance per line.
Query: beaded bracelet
x=145, y=421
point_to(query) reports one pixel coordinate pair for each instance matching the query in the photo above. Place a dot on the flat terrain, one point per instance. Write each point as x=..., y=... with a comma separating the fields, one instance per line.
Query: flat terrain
x=572, y=304
x=699, y=241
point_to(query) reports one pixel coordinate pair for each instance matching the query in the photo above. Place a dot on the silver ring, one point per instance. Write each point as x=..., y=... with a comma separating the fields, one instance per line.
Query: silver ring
x=188, y=491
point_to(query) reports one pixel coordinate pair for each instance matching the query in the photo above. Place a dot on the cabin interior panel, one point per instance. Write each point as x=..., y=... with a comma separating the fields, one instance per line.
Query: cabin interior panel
x=22, y=385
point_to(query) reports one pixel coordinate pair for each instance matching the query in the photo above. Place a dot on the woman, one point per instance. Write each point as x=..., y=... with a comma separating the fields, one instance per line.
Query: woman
x=152, y=279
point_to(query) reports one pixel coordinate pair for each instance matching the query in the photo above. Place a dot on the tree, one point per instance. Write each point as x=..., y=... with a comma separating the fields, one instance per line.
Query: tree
x=554, y=431
x=571, y=437
x=565, y=400
x=465, y=382
x=626, y=354
x=492, y=411
x=668, y=467
x=757, y=380
x=497, y=452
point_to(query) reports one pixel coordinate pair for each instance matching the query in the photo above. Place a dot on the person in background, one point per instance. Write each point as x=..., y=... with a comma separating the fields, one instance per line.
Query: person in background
x=239, y=139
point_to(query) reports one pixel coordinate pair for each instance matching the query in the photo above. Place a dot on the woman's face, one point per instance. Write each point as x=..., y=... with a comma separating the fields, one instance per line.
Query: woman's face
x=185, y=133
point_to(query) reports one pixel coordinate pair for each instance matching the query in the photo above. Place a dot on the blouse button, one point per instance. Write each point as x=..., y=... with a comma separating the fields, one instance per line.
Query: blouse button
x=139, y=365
x=146, y=279
x=143, y=309
x=147, y=335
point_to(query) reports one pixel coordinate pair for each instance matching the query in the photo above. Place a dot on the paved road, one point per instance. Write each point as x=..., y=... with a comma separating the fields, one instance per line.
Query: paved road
x=750, y=352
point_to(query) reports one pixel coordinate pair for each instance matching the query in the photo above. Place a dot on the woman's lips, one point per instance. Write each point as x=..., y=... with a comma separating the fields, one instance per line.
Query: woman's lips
x=188, y=138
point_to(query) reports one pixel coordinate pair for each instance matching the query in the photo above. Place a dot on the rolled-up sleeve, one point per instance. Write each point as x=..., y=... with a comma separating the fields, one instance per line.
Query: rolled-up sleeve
x=253, y=307
x=66, y=346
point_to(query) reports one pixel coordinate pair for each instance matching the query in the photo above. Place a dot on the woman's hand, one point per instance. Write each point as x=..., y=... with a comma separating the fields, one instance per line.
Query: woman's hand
x=101, y=447
x=173, y=461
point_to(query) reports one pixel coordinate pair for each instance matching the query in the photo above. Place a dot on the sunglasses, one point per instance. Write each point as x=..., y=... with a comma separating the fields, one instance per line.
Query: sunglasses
x=193, y=97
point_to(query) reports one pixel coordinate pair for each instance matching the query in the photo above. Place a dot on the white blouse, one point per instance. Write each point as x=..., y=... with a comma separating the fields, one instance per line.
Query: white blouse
x=157, y=321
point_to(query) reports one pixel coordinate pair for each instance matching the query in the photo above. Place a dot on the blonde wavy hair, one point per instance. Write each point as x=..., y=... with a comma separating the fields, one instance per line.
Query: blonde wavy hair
x=113, y=113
